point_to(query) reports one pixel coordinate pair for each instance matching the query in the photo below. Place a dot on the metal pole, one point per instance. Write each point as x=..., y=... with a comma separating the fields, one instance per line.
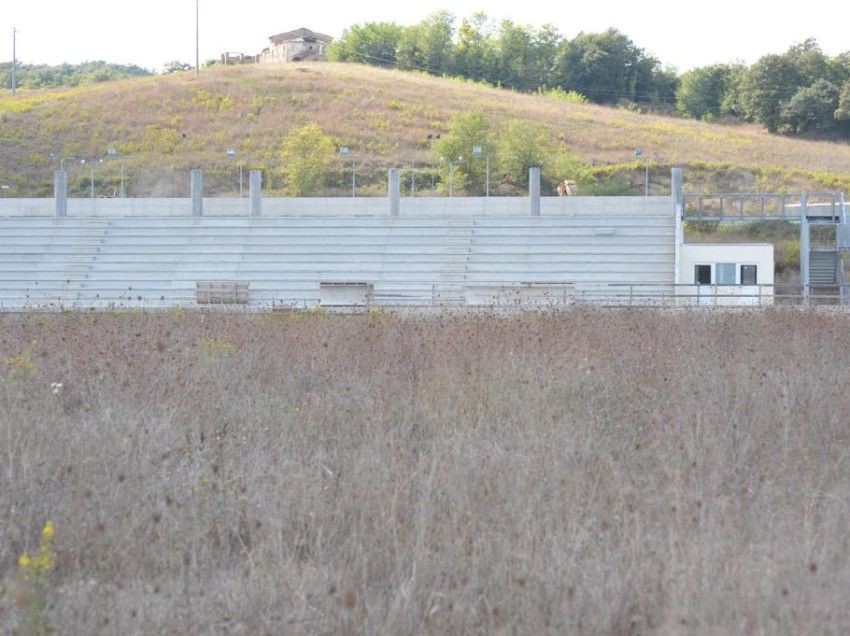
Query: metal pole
x=805, y=247
x=14, y=60
x=413, y=180
x=646, y=178
x=353, y=178
x=451, y=178
x=240, y=180
x=122, y=194
x=197, y=38
x=487, y=178
x=92, y=182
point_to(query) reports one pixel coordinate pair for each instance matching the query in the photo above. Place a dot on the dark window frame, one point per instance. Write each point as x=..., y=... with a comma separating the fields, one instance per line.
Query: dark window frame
x=755, y=270
x=701, y=268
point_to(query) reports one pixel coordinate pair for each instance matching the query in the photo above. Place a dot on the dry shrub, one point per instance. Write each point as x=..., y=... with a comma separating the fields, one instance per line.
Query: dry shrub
x=585, y=472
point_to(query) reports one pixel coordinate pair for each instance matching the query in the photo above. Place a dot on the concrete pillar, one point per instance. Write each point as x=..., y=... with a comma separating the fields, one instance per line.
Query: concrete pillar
x=255, y=192
x=394, y=194
x=805, y=249
x=677, y=192
x=60, y=193
x=677, y=188
x=534, y=190
x=196, y=191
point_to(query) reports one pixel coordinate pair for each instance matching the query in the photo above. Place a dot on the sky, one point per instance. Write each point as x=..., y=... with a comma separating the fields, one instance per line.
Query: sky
x=681, y=34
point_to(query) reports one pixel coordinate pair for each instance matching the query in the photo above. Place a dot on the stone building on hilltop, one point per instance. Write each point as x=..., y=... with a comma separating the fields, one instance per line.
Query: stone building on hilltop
x=301, y=45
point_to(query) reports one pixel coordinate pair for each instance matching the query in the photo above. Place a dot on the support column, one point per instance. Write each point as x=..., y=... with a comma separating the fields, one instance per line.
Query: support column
x=196, y=191
x=805, y=249
x=677, y=188
x=677, y=191
x=60, y=193
x=534, y=190
x=255, y=193
x=394, y=193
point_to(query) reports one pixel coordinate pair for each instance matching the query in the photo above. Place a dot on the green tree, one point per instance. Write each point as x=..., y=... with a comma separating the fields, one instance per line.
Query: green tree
x=842, y=113
x=308, y=153
x=768, y=83
x=513, y=55
x=523, y=145
x=812, y=109
x=176, y=66
x=545, y=43
x=371, y=43
x=702, y=91
x=466, y=131
x=474, y=49
x=809, y=61
x=606, y=67
x=428, y=46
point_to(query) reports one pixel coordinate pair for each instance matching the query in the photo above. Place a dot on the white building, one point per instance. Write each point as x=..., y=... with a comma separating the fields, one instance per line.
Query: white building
x=716, y=274
x=301, y=45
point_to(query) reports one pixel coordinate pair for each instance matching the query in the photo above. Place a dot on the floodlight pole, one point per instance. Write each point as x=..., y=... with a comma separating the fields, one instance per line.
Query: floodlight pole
x=638, y=154
x=14, y=60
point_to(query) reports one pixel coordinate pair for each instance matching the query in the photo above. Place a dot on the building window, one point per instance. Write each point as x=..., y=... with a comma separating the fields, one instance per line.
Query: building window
x=749, y=274
x=725, y=273
x=702, y=274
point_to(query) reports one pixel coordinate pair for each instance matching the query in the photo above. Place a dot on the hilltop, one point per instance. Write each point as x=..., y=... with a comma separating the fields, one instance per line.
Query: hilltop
x=163, y=125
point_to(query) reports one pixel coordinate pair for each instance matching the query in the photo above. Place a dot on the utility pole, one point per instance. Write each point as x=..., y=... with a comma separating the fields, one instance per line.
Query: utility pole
x=197, y=38
x=14, y=60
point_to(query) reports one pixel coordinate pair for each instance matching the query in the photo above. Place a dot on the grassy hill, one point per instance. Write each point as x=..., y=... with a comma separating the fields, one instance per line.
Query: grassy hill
x=163, y=125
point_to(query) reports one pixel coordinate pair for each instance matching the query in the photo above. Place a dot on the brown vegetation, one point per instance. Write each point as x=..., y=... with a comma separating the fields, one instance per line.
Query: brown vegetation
x=587, y=472
x=164, y=125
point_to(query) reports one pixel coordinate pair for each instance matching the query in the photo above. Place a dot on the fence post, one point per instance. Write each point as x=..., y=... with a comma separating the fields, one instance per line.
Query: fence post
x=805, y=249
x=196, y=191
x=255, y=193
x=534, y=190
x=60, y=193
x=394, y=191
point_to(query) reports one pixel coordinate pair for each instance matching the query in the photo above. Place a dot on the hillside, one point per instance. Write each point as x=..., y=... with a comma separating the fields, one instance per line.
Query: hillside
x=163, y=125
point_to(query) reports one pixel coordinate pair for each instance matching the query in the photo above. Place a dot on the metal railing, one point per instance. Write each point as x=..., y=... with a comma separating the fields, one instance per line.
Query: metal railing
x=761, y=206
x=496, y=294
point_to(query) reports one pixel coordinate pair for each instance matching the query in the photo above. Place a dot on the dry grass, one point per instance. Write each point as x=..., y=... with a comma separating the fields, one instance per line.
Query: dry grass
x=589, y=472
x=383, y=115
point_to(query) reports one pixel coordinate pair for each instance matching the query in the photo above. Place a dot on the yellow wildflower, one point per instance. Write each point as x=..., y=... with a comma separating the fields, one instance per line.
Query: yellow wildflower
x=25, y=561
x=47, y=533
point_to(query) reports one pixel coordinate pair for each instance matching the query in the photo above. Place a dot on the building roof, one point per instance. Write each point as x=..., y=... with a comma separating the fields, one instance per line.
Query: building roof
x=302, y=34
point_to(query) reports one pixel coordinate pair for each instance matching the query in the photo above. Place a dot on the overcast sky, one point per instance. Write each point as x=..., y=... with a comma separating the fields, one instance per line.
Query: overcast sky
x=150, y=33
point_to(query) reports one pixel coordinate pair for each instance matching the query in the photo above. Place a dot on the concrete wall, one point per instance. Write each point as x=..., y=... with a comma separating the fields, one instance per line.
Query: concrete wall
x=759, y=254
x=344, y=206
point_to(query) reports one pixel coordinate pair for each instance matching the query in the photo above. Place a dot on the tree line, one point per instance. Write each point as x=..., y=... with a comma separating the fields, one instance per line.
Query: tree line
x=605, y=67
x=800, y=92
x=44, y=76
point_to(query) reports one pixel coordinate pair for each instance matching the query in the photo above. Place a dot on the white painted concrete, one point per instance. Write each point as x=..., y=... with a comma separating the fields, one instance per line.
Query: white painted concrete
x=345, y=206
x=758, y=254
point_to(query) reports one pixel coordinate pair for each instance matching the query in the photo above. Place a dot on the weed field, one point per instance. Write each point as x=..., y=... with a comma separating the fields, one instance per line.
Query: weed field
x=583, y=472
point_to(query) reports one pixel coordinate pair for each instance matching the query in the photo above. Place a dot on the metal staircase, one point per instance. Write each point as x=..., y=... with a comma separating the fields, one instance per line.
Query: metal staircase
x=823, y=267
x=842, y=243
